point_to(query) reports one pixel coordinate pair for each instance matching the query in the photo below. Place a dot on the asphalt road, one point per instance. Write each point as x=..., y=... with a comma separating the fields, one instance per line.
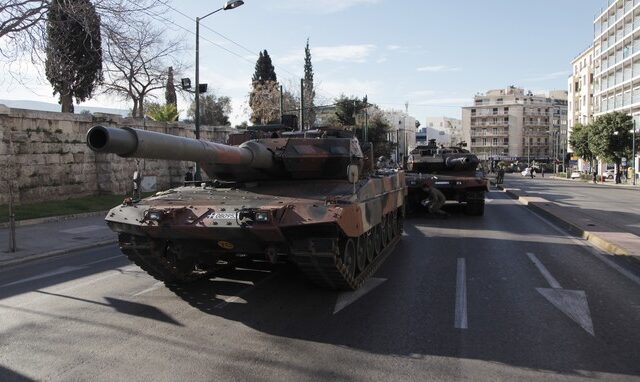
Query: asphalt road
x=502, y=297
x=620, y=206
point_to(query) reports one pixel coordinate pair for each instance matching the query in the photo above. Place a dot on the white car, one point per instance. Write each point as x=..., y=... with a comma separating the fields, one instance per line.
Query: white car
x=610, y=174
x=526, y=172
x=575, y=175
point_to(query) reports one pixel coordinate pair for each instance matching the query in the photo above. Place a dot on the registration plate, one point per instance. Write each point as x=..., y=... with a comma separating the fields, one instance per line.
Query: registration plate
x=223, y=215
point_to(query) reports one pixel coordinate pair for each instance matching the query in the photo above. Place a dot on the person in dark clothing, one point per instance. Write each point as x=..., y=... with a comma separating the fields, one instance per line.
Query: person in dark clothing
x=542, y=171
x=188, y=177
x=595, y=176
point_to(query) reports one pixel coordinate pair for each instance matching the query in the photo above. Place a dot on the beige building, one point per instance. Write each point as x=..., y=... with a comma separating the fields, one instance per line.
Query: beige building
x=513, y=124
x=580, y=85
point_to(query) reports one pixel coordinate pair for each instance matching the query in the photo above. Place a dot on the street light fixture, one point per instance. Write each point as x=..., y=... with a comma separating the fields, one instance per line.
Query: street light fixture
x=227, y=6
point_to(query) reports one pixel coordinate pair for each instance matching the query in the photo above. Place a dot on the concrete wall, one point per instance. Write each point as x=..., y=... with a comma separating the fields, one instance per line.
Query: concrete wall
x=43, y=156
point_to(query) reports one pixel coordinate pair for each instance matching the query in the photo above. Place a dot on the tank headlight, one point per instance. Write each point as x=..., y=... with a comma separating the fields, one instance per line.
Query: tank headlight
x=154, y=215
x=262, y=216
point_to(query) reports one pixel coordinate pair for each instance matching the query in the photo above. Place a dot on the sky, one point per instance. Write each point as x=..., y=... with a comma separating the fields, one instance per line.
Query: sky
x=435, y=55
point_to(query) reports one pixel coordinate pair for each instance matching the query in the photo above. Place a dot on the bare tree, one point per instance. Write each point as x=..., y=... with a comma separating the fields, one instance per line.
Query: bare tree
x=135, y=63
x=23, y=23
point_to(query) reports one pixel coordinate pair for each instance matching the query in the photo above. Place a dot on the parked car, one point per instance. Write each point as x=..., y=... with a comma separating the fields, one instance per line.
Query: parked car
x=526, y=171
x=575, y=175
x=610, y=173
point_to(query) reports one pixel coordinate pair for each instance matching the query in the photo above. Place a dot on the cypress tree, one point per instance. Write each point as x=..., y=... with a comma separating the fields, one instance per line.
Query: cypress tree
x=170, y=91
x=309, y=92
x=74, y=52
x=264, y=69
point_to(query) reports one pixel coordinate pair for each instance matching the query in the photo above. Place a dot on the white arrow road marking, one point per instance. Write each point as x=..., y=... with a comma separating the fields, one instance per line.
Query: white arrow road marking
x=59, y=271
x=460, y=321
x=573, y=303
x=347, y=298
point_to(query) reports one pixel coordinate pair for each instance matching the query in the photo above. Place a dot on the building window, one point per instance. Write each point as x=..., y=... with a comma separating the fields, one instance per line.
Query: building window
x=505, y=141
x=495, y=141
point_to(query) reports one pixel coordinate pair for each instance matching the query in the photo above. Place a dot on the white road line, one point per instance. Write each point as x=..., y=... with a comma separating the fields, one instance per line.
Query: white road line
x=545, y=272
x=461, y=296
x=602, y=256
x=103, y=260
x=151, y=288
x=85, y=229
x=239, y=297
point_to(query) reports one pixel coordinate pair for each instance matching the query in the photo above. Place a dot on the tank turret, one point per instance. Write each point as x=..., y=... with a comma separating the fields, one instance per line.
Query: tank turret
x=434, y=159
x=267, y=158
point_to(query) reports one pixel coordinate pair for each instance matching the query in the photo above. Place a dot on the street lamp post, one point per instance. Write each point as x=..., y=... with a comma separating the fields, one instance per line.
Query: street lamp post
x=633, y=150
x=227, y=6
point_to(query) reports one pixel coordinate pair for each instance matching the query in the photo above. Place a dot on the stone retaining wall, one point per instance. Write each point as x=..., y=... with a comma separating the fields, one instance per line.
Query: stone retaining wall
x=43, y=156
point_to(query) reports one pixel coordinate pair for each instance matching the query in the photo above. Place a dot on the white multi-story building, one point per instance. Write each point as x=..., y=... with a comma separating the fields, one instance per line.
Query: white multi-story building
x=403, y=132
x=580, y=105
x=616, y=58
x=445, y=130
x=513, y=124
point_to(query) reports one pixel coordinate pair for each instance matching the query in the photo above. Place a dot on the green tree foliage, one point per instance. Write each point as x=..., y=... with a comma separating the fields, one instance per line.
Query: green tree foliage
x=309, y=93
x=214, y=111
x=347, y=108
x=164, y=113
x=610, y=137
x=73, y=62
x=170, y=90
x=264, y=69
x=378, y=134
x=579, y=142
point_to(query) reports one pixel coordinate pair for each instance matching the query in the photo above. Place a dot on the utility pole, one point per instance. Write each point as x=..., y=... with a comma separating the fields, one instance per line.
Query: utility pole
x=281, y=103
x=301, y=104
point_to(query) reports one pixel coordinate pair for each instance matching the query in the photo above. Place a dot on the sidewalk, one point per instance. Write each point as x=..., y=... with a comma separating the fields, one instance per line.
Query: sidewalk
x=52, y=237
x=599, y=229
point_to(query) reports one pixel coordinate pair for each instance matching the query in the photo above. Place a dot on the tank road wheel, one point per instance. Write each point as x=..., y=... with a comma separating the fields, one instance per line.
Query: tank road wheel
x=391, y=222
x=396, y=223
x=349, y=257
x=383, y=231
x=371, y=246
x=400, y=221
x=361, y=253
x=377, y=239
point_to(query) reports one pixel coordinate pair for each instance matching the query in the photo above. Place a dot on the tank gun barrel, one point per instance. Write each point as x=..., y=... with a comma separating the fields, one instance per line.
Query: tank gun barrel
x=466, y=161
x=134, y=143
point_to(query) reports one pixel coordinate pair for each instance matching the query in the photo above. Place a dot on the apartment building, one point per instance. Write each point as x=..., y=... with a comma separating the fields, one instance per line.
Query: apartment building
x=580, y=86
x=513, y=124
x=616, y=59
x=445, y=130
x=403, y=132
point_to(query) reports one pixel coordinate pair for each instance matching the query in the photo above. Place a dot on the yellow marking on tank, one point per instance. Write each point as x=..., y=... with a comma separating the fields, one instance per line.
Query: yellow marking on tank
x=225, y=244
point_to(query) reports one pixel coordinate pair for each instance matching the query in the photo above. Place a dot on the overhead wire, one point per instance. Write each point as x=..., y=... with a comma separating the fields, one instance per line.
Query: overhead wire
x=169, y=22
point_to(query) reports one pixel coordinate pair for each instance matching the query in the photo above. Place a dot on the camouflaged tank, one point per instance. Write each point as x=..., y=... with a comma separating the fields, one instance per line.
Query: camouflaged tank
x=310, y=197
x=452, y=170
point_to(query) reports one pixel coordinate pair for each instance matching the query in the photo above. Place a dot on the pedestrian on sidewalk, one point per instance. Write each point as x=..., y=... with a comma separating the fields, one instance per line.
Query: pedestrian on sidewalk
x=595, y=176
x=542, y=171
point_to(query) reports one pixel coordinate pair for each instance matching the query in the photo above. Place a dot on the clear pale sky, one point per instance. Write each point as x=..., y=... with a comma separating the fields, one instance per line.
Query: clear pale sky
x=434, y=54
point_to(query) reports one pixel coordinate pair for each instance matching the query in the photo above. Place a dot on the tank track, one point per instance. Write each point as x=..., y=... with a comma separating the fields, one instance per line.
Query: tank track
x=319, y=259
x=152, y=258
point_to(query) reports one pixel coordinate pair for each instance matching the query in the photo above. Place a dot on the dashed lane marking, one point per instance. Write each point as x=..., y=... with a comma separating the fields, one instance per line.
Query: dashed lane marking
x=461, y=296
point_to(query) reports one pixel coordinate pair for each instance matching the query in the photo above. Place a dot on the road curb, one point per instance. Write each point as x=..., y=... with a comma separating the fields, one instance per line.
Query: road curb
x=52, y=219
x=58, y=252
x=574, y=229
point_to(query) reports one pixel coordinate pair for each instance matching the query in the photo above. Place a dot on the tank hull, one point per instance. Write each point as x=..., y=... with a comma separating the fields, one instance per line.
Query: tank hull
x=336, y=236
x=467, y=190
